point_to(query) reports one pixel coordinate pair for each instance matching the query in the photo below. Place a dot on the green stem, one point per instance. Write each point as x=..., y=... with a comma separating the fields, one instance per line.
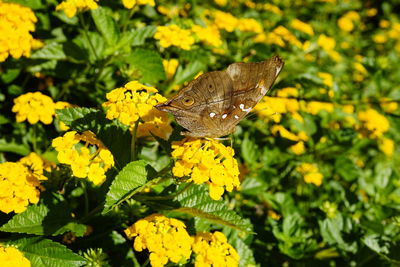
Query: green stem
x=34, y=134
x=85, y=33
x=133, y=142
x=86, y=196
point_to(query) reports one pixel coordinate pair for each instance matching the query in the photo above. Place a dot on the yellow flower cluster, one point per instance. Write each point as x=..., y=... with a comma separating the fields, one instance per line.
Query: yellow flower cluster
x=387, y=146
x=249, y=25
x=18, y=187
x=225, y=21
x=34, y=107
x=311, y=174
x=37, y=165
x=328, y=44
x=16, y=23
x=300, y=138
x=206, y=161
x=170, y=67
x=165, y=238
x=213, y=249
x=360, y=71
x=272, y=107
x=314, y=107
x=388, y=105
x=11, y=257
x=132, y=3
x=134, y=102
x=91, y=159
x=209, y=35
x=302, y=26
x=71, y=7
x=267, y=7
x=346, y=22
x=279, y=36
x=373, y=124
x=173, y=35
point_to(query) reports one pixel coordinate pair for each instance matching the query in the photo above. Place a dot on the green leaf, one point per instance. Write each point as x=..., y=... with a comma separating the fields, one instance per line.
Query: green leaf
x=50, y=51
x=249, y=149
x=139, y=35
x=42, y=220
x=244, y=251
x=346, y=168
x=130, y=178
x=189, y=72
x=196, y=202
x=149, y=64
x=47, y=253
x=115, y=136
x=9, y=75
x=105, y=24
x=374, y=242
x=12, y=146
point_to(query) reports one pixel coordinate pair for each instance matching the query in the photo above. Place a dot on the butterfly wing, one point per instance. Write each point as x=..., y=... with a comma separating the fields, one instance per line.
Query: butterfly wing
x=251, y=81
x=198, y=107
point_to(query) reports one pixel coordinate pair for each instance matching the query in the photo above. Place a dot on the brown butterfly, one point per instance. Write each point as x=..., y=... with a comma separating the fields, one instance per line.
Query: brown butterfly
x=214, y=103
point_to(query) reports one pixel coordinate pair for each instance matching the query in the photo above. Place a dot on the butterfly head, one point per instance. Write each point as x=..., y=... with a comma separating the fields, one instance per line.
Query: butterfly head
x=182, y=101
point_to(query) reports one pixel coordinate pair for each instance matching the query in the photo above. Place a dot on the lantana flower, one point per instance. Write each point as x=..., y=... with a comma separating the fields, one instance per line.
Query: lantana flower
x=206, y=161
x=71, y=7
x=165, y=238
x=11, y=256
x=173, y=35
x=86, y=155
x=135, y=102
x=311, y=174
x=16, y=24
x=34, y=107
x=213, y=249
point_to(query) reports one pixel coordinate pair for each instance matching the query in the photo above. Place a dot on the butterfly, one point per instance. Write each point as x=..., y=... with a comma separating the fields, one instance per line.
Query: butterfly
x=214, y=103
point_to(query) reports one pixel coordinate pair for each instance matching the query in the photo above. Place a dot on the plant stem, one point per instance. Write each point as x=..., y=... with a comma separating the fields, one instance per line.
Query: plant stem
x=85, y=32
x=133, y=142
x=34, y=144
x=83, y=184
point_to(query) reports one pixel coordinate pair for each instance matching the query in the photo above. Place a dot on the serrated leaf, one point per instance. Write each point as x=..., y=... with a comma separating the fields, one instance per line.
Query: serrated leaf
x=149, y=64
x=244, y=251
x=50, y=51
x=130, y=178
x=41, y=220
x=114, y=136
x=46, y=253
x=105, y=25
x=139, y=35
x=196, y=202
x=189, y=72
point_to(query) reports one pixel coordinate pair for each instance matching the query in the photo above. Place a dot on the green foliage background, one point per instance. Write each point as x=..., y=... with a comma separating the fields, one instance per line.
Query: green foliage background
x=94, y=52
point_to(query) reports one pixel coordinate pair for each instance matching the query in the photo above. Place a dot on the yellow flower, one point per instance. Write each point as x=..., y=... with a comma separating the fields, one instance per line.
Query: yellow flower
x=213, y=249
x=136, y=101
x=71, y=7
x=37, y=165
x=18, y=187
x=346, y=22
x=12, y=257
x=327, y=78
x=302, y=26
x=314, y=107
x=249, y=25
x=380, y=38
x=273, y=9
x=298, y=148
x=206, y=161
x=282, y=33
x=330, y=209
x=225, y=21
x=328, y=44
x=16, y=23
x=34, y=107
x=165, y=238
x=310, y=173
x=132, y=3
x=172, y=35
x=388, y=106
x=170, y=67
x=373, y=124
x=86, y=155
x=386, y=145
x=209, y=35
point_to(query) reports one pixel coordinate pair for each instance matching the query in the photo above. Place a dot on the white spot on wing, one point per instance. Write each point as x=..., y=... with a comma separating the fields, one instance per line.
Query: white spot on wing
x=278, y=69
x=212, y=114
x=236, y=117
x=241, y=106
x=224, y=116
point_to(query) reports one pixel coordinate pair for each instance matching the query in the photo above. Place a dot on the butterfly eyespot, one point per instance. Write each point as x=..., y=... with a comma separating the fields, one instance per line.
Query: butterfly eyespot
x=188, y=101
